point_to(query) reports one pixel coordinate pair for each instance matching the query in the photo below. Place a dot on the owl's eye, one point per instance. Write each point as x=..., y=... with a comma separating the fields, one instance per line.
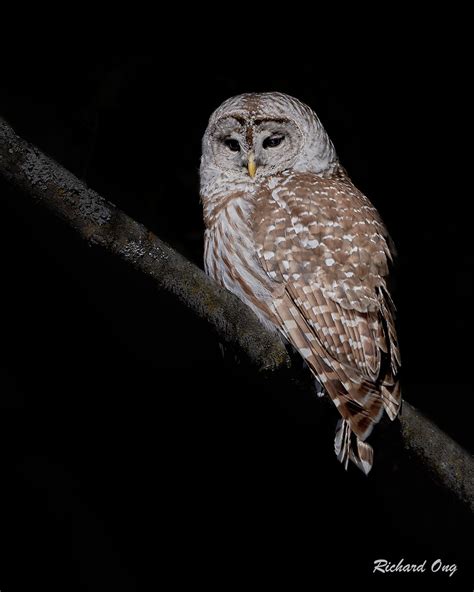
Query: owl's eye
x=272, y=141
x=232, y=144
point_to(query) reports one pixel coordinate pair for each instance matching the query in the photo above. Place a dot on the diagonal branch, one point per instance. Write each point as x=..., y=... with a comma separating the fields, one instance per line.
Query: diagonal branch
x=100, y=223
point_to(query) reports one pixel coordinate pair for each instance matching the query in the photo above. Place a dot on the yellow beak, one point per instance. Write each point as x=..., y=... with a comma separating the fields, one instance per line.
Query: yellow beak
x=252, y=167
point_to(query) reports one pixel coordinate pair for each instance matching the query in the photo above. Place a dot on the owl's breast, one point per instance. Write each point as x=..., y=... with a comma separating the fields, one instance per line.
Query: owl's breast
x=230, y=258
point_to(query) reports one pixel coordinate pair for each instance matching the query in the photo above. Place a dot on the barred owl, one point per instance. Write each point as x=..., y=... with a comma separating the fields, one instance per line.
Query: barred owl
x=291, y=236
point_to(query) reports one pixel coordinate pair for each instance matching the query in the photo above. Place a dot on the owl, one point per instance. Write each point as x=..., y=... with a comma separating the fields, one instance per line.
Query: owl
x=289, y=233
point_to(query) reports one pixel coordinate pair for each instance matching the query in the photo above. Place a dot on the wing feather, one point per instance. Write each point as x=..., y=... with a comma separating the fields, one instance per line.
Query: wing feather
x=324, y=242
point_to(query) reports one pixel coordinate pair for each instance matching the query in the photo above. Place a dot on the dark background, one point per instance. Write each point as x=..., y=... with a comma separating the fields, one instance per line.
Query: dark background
x=133, y=454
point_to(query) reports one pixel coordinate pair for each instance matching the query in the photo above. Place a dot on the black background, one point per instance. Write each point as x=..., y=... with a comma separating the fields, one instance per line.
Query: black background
x=133, y=454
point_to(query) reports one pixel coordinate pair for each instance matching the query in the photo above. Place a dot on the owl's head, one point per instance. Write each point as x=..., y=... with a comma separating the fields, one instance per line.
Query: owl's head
x=256, y=135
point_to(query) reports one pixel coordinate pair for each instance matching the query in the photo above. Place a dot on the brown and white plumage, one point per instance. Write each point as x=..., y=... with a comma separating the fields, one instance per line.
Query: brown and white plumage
x=288, y=232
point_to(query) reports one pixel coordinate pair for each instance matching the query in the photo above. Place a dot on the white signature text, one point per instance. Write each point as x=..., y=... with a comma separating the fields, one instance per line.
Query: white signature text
x=437, y=566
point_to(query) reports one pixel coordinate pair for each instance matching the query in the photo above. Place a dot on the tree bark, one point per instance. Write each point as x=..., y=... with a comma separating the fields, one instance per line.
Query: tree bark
x=101, y=223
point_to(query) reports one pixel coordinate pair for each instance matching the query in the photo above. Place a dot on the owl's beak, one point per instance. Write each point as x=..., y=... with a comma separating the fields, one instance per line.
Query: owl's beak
x=252, y=167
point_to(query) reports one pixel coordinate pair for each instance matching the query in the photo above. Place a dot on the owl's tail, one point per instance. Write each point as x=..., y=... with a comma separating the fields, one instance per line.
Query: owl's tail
x=348, y=446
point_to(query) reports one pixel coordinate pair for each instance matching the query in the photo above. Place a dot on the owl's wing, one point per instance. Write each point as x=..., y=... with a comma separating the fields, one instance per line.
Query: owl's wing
x=324, y=241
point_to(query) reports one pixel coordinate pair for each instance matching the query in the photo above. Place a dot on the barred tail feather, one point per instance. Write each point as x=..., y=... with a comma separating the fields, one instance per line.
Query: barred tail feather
x=362, y=455
x=391, y=400
x=348, y=446
x=342, y=441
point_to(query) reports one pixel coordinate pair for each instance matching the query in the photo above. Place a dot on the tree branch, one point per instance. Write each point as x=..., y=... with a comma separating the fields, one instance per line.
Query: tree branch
x=100, y=223
x=448, y=463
